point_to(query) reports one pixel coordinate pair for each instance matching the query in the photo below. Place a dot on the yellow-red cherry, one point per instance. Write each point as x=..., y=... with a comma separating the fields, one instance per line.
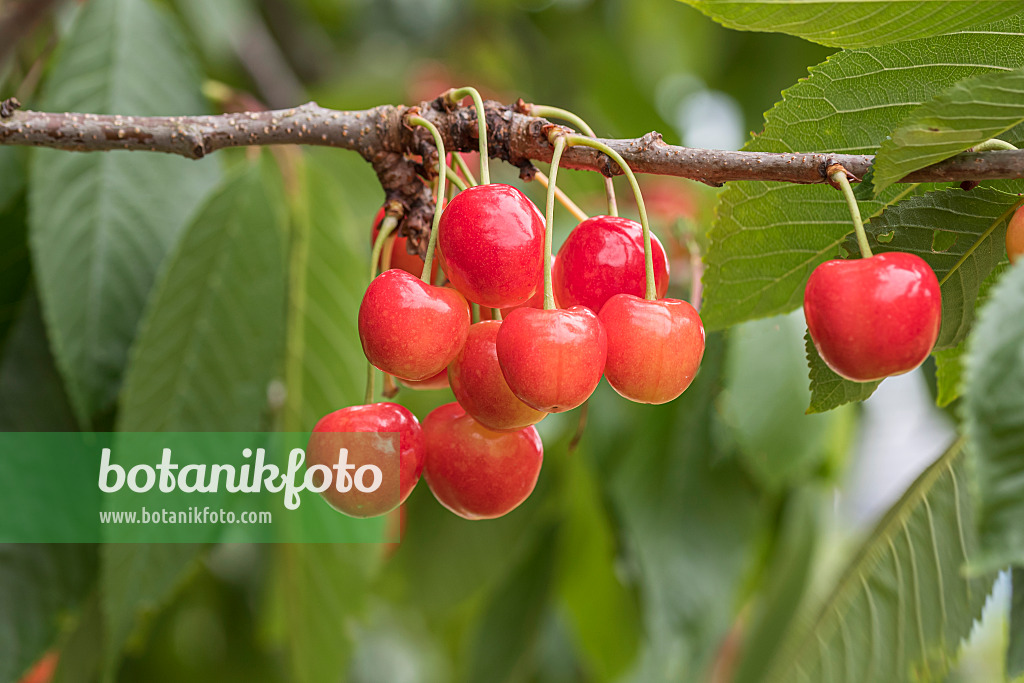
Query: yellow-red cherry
x=476, y=472
x=873, y=317
x=1015, y=236
x=491, y=238
x=399, y=471
x=604, y=256
x=410, y=329
x=654, y=347
x=552, y=359
x=479, y=386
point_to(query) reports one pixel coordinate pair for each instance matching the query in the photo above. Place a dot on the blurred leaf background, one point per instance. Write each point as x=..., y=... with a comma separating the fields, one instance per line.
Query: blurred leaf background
x=694, y=541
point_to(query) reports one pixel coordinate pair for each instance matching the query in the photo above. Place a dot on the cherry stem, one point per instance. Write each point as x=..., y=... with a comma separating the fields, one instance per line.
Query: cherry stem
x=387, y=226
x=840, y=180
x=548, y=112
x=455, y=96
x=442, y=173
x=992, y=145
x=496, y=314
x=464, y=167
x=650, y=291
x=455, y=179
x=549, y=221
x=562, y=197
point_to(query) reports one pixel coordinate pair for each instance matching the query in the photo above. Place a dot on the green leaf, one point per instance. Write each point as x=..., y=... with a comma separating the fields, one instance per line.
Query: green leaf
x=212, y=334
x=210, y=342
x=993, y=406
x=949, y=362
x=325, y=365
x=602, y=612
x=829, y=390
x=949, y=373
x=972, y=111
x=901, y=608
x=855, y=23
x=1015, y=651
x=32, y=397
x=39, y=584
x=961, y=235
x=12, y=171
x=768, y=237
x=506, y=632
x=101, y=224
x=786, y=580
x=688, y=516
x=766, y=400
x=15, y=266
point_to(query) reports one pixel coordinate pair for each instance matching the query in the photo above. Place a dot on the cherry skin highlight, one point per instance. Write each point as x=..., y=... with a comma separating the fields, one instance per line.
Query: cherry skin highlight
x=410, y=329
x=1015, y=235
x=875, y=317
x=552, y=359
x=476, y=472
x=654, y=347
x=400, y=256
x=481, y=389
x=604, y=256
x=491, y=238
x=328, y=437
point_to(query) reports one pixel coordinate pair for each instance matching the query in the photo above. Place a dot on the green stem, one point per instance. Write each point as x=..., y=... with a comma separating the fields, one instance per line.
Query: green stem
x=387, y=226
x=992, y=145
x=549, y=219
x=455, y=179
x=650, y=292
x=549, y=112
x=496, y=314
x=840, y=179
x=455, y=96
x=442, y=173
x=464, y=167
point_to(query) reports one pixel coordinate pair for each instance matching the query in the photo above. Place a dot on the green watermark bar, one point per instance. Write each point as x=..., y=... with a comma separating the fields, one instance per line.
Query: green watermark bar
x=196, y=487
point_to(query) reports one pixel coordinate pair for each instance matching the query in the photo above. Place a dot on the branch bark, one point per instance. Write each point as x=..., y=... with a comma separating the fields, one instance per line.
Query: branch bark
x=382, y=138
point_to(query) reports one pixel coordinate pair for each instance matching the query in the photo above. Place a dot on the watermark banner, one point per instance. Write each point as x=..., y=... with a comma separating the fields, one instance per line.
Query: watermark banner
x=196, y=487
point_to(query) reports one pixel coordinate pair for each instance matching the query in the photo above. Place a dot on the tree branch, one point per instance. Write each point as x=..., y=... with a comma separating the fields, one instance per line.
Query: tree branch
x=382, y=138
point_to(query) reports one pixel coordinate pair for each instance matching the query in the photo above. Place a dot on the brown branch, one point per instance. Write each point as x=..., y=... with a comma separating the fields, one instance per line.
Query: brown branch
x=383, y=139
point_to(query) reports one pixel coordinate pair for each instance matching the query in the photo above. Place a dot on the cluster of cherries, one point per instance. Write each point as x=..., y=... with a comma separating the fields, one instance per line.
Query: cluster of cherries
x=550, y=328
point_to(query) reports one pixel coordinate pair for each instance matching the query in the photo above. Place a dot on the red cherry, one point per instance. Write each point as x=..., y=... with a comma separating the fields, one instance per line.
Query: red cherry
x=537, y=300
x=400, y=256
x=438, y=381
x=1015, y=235
x=410, y=329
x=604, y=256
x=475, y=472
x=552, y=359
x=481, y=389
x=875, y=317
x=492, y=241
x=654, y=347
x=326, y=441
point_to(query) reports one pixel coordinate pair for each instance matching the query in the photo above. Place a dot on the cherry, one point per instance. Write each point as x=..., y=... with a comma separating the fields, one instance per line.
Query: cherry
x=491, y=238
x=604, y=256
x=1015, y=235
x=476, y=472
x=552, y=359
x=535, y=301
x=410, y=329
x=327, y=438
x=654, y=347
x=481, y=389
x=873, y=317
x=438, y=381
x=400, y=256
